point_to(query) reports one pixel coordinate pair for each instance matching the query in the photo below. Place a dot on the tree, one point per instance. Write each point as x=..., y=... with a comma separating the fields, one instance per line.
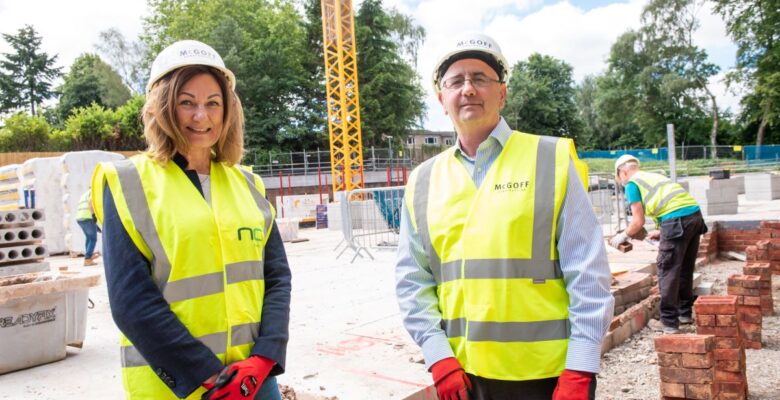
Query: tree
x=669, y=26
x=263, y=43
x=23, y=132
x=753, y=24
x=391, y=98
x=129, y=59
x=26, y=73
x=585, y=98
x=540, y=97
x=91, y=80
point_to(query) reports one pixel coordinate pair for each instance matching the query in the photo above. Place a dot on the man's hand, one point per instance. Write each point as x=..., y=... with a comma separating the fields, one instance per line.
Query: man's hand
x=618, y=239
x=450, y=380
x=654, y=235
x=573, y=385
x=240, y=380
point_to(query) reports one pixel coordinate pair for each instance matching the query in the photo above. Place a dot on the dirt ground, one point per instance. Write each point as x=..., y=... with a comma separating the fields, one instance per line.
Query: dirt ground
x=630, y=371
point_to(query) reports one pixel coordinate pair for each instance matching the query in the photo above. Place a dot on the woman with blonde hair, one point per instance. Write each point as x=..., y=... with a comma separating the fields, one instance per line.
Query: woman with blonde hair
x=197, y=275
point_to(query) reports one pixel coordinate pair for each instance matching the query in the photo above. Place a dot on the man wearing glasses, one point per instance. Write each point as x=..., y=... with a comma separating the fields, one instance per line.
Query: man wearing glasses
x=502, y=275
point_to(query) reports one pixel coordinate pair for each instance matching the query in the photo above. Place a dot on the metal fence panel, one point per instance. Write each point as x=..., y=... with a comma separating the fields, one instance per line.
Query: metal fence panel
x=371, y=219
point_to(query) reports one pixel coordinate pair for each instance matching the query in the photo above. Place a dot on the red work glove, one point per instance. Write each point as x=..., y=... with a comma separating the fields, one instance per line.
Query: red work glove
x=240, y=380
x=450, y=380
x=573, y=385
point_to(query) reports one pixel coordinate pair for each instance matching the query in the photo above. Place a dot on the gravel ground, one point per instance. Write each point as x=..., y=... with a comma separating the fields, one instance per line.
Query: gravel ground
x=630, y=371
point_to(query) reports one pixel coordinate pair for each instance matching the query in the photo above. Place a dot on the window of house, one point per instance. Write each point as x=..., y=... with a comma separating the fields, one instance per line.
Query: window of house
x=410, y=140
x=449, y=142
x=431, y=140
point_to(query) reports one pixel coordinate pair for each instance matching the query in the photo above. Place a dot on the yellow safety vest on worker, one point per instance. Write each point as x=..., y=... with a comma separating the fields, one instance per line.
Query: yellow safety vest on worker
x=493, y=253
x=206, y=260
x=83, y=211
x=660, y=196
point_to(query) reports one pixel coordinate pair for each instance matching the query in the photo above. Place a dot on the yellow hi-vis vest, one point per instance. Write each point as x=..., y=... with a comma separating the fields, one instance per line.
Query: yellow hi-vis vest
x=660, y=196
x=493, y=253
x=82, y=211
x=206, y=260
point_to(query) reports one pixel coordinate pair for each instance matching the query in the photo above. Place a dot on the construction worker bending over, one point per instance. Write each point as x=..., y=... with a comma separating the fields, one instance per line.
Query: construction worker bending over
x=502, y=275
x=196, y=271
x=681, y=223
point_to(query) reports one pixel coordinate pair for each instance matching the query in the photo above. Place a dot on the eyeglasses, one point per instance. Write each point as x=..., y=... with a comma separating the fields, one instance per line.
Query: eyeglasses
x=457, y=82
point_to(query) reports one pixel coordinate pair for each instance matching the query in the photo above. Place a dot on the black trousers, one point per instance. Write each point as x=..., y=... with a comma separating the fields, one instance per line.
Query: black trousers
x=676, y=260
x=542, y=389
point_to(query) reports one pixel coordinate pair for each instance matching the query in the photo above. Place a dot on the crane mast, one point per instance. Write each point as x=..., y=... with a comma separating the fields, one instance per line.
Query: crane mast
x=343, y=103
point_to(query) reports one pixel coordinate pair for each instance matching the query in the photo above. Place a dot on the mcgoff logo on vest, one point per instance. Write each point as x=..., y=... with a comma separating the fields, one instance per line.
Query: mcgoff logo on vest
x=254, y=234
x=511, y=186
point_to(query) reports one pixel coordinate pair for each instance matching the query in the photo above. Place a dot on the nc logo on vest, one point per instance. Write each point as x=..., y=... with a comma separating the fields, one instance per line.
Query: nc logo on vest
x=254, y=234
x=511, y=186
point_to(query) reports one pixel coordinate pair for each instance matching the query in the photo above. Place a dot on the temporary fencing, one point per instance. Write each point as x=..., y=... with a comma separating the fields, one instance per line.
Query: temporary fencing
x=370, y=219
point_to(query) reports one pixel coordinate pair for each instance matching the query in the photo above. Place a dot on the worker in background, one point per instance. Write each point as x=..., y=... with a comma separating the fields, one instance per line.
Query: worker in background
x=85, y=217
x=501, y=275
x=196, y=271
x=681, y=223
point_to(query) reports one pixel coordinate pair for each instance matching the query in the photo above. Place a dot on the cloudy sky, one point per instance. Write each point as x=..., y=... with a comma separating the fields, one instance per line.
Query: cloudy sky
x=580, y=32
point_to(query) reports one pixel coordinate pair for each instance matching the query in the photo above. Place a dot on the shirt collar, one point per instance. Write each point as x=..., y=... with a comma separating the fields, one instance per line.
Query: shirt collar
x=500, y=133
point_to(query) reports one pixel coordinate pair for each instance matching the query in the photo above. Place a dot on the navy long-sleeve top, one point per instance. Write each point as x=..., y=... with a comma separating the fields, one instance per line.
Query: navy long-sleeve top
x=143, y=315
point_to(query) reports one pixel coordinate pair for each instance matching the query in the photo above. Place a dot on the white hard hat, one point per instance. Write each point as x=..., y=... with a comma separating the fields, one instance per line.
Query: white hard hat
x=624, y=159
x=183, y=53
x=471, y=45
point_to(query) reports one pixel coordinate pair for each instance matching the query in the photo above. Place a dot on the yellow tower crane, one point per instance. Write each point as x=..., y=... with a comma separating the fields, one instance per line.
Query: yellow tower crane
x=341, y=80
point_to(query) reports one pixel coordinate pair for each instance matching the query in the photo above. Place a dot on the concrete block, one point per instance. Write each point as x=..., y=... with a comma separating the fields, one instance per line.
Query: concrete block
x=703, y=289
x=26, y=268
x=762, y=187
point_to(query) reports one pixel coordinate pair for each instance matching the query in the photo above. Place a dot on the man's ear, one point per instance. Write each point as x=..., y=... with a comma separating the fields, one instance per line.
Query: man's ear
x=441, y=101
x=503, y=96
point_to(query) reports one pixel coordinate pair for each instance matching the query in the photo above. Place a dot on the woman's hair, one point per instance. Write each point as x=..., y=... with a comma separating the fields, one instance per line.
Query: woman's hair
x=161, y=128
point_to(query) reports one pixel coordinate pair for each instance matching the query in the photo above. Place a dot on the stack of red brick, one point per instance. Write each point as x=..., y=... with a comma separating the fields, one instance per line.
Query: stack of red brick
x=764, y=273
x=719, y=316
x=749, y=290
x=686, y=365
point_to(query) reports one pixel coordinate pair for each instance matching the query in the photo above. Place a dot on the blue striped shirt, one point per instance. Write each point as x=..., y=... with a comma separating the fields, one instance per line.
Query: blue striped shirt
x=583, y=260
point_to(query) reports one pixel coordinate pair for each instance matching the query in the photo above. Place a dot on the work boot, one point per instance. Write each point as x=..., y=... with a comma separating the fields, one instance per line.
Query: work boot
x=659, y=326
x=89, y=262
x=95, y=255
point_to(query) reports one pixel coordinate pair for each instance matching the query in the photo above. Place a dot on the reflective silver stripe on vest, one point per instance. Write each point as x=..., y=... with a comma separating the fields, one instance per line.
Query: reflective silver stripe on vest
x=262, y=204
x=486, y=331
x=216, y=342
x=244, y=271
x=421, y=216
x=244, y=334
x=517, y=268
x=667, y=199
x=454, y=327
x=544, y=193
x=540, y=266
x=142, y=219
x=651, y=190
x=194, y=287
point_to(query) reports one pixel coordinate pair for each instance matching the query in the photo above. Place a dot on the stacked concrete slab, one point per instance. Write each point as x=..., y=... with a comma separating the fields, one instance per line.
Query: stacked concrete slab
x=21, y=247
x=77, y=168
x=45, y=177
x=762, y=186
x=10, y=189
x=715, y=196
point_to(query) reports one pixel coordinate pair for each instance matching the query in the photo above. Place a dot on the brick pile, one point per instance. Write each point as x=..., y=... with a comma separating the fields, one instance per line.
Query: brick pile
x=764, y=271
x=686, y=365
x=719, y=316
x=749, y=290
x=708, y=244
